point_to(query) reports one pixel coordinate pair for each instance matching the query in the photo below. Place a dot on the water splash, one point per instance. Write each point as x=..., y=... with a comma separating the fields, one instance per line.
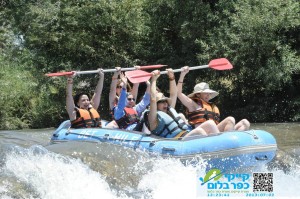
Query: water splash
x=47, y=175
x=170, y=178
x=39, y=173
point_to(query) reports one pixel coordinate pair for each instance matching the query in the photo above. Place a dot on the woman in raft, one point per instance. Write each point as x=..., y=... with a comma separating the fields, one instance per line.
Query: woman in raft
x=200, y=109
x=163, y=120
x=81, y=110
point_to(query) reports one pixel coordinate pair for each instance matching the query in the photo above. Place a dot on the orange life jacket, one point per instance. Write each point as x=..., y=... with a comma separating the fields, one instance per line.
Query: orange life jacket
x=209, y=111
x=130, y=117
x=86, y=118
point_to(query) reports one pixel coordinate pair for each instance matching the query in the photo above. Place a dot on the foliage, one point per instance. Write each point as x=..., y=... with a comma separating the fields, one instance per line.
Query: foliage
x=260, y=38
x=17, y=91
x=254, y=37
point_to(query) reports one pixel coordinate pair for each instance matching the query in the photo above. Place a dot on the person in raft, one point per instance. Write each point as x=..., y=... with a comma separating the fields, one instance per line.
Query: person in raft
x=163, y=120
x=115, y=92
x=200, y=109
x=127, y=113
x=81, y=110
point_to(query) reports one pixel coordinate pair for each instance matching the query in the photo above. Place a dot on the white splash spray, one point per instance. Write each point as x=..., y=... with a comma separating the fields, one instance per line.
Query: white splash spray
x=54, y=176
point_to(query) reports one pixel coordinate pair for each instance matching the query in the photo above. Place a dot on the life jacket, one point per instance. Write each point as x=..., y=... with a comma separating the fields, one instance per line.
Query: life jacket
x=130, y=117
x=86, y=118
x=209, y=111
x=170, y=124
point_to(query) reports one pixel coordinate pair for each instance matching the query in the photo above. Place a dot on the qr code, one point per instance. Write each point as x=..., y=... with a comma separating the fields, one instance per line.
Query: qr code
x=263, y=182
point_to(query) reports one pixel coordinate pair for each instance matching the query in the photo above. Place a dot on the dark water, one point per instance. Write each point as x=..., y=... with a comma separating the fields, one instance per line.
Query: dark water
x=31, y=168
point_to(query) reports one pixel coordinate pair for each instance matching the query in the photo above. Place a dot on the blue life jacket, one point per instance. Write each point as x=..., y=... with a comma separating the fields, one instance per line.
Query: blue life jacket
x=169, y=125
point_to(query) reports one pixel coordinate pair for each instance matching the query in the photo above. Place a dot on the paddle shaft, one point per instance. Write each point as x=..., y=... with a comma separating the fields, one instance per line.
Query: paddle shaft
x=191, y=68
x=122, y=69
x=175, y=71
x=105, y=71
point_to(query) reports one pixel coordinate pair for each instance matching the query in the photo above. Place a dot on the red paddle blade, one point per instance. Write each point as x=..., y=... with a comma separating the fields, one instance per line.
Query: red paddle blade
x=220, y=64
x=137, y=76
x=59, y=74
x=152, y=66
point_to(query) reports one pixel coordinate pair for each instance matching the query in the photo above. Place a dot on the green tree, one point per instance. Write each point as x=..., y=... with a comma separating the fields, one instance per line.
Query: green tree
x=260, y=38
x=256, y=37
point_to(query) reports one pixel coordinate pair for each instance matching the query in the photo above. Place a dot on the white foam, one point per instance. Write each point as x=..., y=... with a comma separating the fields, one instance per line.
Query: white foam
x=54, y=176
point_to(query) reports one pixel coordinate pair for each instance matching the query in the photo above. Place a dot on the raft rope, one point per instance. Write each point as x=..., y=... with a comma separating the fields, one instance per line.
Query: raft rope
x=152, y=142
x=106, y=137
x=250, y=133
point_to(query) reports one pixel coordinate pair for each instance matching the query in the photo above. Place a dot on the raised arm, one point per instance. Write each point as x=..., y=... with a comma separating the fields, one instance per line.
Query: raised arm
x=113, y=85
x=185, y=100
x=135, y=90
x=173, y=89
x=152, y=117
x=142, y=105
x=98, y=91
x=119, y=110
x=69, y=99
x=135, y=87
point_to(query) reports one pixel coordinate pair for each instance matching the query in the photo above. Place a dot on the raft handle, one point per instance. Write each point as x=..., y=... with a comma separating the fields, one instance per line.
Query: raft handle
x=168, y=149
x=264, y=157
x=152, y=144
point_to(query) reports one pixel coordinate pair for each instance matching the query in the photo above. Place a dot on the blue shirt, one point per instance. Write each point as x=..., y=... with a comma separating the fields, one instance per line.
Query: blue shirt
x=140, y=107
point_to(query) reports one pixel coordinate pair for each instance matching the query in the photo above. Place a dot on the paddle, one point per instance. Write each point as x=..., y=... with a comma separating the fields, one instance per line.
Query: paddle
x=97, y=71
x=142, y=76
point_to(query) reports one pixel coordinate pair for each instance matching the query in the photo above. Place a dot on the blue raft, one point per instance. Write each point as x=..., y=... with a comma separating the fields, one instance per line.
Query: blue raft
x=237, y=149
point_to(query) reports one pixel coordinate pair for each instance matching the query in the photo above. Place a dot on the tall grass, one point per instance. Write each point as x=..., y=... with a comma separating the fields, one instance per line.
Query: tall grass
x=17, y=91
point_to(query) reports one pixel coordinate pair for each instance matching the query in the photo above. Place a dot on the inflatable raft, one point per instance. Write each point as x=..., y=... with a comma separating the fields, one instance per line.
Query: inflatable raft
x=224, y=151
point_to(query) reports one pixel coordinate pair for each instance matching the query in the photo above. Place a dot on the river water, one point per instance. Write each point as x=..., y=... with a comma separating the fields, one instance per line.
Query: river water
x=32, y=168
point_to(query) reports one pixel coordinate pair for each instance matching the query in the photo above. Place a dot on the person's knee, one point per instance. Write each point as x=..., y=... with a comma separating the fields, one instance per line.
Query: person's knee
x=245, y=123
x=230, y=120
x=210, y=123
x=112, y=125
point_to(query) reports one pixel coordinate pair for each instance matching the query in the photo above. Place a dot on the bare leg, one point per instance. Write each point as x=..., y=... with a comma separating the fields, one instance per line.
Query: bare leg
x=242, y=125
x=112, y=125
x=196, y=131
x=146, y=130
x=209, y=127
x=227, y=124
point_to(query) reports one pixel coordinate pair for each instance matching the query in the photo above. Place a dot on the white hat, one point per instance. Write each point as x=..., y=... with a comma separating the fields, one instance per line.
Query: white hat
x=160, y=97
x=203, y=88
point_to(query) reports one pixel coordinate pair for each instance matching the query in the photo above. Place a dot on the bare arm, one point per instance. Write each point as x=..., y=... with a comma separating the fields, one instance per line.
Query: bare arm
x=173, y=89
x=113, y=85
x=69, y=99
x=148, y=89
x=185, y=100
x=135, y=87
x=98, y=91
x=152, y=117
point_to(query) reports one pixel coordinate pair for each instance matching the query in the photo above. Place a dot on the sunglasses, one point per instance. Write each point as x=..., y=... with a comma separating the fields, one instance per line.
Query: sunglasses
x=119, y=86
x=130, y=99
